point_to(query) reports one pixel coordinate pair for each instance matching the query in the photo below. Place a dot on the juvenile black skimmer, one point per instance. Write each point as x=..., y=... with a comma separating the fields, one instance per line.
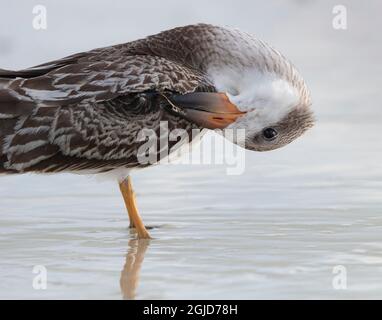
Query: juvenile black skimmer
x=83, y=113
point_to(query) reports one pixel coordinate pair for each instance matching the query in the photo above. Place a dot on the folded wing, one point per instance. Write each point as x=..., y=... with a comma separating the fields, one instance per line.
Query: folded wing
x=59, y=111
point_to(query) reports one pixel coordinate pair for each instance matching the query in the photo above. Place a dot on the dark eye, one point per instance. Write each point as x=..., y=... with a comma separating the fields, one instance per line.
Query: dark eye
x=270, y=133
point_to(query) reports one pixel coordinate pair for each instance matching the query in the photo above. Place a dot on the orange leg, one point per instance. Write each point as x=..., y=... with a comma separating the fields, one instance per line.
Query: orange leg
x=131, y=206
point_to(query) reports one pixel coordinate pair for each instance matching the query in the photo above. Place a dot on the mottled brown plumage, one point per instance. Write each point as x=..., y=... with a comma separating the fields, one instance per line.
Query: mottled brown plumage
x=83, y=112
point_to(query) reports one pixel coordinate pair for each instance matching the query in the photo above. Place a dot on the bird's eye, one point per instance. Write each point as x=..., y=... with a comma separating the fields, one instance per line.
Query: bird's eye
x=270, y=133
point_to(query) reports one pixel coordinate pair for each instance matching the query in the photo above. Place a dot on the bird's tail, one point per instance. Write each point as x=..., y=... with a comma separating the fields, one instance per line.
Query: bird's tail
x=4, y=80
x=8, y=113
x=6, y=73
x=26, y=73
x=7, y=128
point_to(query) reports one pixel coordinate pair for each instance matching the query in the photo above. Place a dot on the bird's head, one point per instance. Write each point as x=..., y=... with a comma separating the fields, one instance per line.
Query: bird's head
x=257, y=88
x=268, y=109
x=275, y=112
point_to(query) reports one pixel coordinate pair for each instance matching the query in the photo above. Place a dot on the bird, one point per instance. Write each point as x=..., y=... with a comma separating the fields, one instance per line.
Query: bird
x=83, y=113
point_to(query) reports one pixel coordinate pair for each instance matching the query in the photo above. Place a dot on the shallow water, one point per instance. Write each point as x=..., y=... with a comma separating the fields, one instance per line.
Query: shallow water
x=276, y=231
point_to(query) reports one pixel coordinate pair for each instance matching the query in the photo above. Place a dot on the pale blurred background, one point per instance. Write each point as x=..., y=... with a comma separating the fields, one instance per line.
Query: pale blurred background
x=277, y=231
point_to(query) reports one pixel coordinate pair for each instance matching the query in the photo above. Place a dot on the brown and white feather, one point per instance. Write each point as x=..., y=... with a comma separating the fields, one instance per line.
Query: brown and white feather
x=83, y=112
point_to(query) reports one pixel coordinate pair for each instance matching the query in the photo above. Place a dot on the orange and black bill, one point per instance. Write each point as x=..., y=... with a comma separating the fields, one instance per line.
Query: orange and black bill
x=207, y=109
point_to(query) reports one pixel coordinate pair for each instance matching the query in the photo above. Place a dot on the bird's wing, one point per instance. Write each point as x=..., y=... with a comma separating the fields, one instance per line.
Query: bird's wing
x=93, y=81
x=92, y=135
x=64, y=120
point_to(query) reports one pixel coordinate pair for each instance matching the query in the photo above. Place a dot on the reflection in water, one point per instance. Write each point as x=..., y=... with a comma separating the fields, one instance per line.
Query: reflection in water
x=130, y=273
